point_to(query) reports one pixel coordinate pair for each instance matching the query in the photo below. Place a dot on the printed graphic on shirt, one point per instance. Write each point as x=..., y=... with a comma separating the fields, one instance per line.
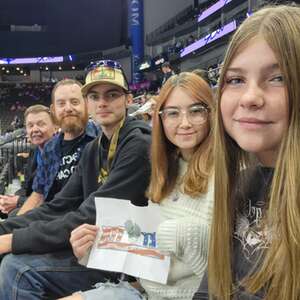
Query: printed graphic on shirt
x=250, y=231
x=67, y=165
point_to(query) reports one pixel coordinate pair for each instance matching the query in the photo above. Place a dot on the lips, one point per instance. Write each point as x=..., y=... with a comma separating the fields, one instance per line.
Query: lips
x=185, y=133
x=252, y=123
x=103, y=113
x=38, y=136
x=67, y=116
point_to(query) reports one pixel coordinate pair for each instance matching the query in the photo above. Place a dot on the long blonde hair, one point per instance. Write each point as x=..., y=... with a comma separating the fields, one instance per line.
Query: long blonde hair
x=164, y=155
x=279, y=271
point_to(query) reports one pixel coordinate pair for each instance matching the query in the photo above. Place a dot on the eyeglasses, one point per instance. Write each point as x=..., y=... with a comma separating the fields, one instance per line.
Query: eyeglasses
x=108, y=96
x=196, y=114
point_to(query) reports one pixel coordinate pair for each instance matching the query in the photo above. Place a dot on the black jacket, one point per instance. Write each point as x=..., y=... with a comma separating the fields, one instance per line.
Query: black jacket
x=47, y=228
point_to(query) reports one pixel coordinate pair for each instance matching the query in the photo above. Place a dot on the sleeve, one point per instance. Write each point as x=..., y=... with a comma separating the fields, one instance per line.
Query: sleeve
x=202, y=293
x=127, y=180
x=69, y=197
x=186, y=238
x=39, y=178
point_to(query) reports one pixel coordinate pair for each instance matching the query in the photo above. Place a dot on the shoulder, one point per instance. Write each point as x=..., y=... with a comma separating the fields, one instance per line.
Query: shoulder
x=92, y=129
x=55, y=140
x=135, y=132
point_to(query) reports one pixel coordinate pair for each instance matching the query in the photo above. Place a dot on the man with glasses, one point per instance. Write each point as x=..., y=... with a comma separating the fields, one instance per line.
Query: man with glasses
x=116, y=165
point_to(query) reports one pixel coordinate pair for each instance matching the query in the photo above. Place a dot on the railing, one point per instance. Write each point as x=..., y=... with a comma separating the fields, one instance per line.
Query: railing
x=9, y=148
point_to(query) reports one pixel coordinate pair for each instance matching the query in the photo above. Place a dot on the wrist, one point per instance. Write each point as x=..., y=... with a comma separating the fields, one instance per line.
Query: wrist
x=5, y=243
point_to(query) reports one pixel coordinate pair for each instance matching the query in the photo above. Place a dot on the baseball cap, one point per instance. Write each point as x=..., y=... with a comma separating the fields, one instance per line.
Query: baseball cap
x=105, y=71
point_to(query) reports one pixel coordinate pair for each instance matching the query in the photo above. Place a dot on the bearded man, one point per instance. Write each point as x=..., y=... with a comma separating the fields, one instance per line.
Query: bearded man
x=62, y=153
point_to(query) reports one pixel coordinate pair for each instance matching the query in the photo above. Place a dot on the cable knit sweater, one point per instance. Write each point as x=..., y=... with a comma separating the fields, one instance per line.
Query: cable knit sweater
x=184, y=235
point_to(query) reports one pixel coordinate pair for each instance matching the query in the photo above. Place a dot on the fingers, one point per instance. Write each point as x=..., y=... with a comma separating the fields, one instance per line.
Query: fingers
x=7, y=203
x=82, y=238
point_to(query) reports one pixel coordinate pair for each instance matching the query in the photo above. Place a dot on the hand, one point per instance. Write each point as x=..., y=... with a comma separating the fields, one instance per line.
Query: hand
x=82, y=238
x=5, y=243
x=8, y=203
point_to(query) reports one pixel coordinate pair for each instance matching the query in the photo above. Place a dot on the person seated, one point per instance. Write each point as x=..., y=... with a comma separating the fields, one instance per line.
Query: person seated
x=62, y=153
x=40, y=128
x=181, y=182
x=114, y=165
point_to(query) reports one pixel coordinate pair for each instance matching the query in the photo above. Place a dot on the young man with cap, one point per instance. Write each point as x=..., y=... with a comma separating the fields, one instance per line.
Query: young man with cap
x=116, y=165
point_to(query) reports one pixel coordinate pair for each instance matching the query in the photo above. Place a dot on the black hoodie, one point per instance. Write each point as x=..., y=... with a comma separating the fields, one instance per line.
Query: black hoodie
x=48, y=227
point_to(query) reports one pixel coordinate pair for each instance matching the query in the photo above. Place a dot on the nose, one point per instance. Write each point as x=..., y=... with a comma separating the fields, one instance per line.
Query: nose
x=68, y=107
x=101, y=101
x=252, y=97
x=184, y=122
x=34, y=128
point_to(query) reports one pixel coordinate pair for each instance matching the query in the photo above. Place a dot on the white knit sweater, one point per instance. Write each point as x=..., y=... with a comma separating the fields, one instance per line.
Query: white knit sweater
x=184, y=235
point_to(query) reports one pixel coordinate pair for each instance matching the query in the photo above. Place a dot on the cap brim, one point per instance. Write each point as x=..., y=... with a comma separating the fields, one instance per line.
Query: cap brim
x=85, y=88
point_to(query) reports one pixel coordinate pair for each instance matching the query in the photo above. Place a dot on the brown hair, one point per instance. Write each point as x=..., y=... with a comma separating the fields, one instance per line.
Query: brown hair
x=66, y=81
x=35, y=109
x=164, y=155
x=278, y=272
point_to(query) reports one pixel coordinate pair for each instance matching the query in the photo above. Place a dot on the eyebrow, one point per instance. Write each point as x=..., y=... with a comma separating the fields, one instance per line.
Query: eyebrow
x=266, y=69
x=195, y=104
x=108, y=91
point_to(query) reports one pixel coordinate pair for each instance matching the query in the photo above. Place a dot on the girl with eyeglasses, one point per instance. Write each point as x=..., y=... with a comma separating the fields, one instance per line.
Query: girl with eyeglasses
x=255, y=236
x=182, y=166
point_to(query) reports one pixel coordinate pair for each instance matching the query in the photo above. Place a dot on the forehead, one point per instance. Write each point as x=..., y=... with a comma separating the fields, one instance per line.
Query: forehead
x=104, y=87
x=36, y=117
x=255, y=54
x=179, y=97
x=67, y=91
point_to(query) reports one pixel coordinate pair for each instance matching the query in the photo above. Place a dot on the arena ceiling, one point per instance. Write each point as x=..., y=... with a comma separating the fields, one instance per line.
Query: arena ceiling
x=62, y=26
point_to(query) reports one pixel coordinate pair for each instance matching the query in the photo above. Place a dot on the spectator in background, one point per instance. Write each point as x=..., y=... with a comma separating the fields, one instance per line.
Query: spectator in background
x=39, y=128
x=62, y=152
x=203, y=74
x=167, y=71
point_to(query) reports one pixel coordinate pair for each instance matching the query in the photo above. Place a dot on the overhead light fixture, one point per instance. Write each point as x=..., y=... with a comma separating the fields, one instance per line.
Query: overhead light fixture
x=59, y=68
x=73, y=67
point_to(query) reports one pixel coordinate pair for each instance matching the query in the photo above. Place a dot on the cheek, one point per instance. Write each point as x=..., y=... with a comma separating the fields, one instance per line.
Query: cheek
x=92, y=108
x=169, y=132
x=226, y=110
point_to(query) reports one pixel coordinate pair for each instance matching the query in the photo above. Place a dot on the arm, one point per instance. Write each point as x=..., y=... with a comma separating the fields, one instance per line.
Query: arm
x=32, y=202
x=128, y=179
x=8, y=203
x=202, y=293
x=5, y=243
x=186, y=238
x=82, y=239
x=66, y=200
